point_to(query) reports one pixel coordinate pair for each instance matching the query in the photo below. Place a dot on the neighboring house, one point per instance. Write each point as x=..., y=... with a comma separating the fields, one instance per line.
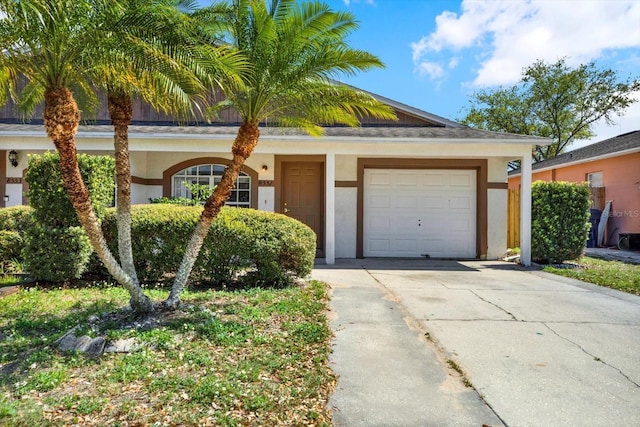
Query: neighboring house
x=612, y=164
x=422, y=186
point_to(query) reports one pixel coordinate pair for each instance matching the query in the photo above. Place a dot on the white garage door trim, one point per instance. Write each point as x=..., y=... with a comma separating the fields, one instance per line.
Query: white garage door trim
x=419, y=212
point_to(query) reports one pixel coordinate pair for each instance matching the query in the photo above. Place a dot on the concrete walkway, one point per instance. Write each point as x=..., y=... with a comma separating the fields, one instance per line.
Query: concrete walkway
x=631, y=257
x=538, y=349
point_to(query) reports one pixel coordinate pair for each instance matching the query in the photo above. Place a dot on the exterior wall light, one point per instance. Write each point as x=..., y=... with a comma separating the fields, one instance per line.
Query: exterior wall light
x=265, y=168
x=13, y=158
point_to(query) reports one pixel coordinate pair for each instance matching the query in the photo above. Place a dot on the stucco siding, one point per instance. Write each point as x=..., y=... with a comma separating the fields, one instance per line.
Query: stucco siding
x=497, y=170
x=346, y=222
x=621, y=179
x=346, y=168
x=497, y=220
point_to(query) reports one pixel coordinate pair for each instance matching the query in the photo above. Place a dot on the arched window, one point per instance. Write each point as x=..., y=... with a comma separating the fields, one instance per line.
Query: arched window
x=211, y=175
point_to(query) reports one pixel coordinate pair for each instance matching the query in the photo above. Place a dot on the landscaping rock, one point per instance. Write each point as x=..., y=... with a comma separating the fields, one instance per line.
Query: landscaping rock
x=68, y=341
x=122, y=346
x=92, y=347
x=82, y=343
x=95, y=347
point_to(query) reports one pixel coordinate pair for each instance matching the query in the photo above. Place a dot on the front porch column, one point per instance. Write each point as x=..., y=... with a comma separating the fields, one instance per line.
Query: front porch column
x=525, y=210
x=330, y=209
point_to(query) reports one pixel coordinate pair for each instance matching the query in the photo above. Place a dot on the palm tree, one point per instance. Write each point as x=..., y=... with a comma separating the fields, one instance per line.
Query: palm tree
x=45, y=41
x=157, y=52
x=294, y=50
x=52, y=43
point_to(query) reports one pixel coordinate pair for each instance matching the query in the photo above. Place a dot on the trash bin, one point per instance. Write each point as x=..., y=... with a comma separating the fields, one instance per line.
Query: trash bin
x=594, y=219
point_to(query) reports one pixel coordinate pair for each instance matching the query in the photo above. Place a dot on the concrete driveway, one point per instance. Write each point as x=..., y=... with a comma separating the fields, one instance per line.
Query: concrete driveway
x=539, y=350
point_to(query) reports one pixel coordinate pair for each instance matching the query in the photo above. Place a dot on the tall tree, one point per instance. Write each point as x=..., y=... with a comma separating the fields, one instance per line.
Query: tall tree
x=154, y=50
x=555, y=101
x=45, y=41
x=60, y=45
x=294, y=49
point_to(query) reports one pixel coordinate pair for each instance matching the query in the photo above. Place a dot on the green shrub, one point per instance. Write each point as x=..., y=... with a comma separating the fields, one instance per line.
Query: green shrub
x=10, y=245
x=268, y=247
x=559, y=221
x=56, y=254
x=57, y=249
x=16, y=218
x=277, y=244
x=14, y=221
x=48, y=197
x=159, y=237
x=183, y=201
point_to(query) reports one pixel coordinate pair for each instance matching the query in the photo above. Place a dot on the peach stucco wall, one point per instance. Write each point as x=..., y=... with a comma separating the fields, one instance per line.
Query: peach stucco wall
x=621, y=179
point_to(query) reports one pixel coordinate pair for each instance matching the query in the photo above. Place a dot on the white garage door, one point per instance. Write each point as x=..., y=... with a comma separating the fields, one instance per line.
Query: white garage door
x=413, y=213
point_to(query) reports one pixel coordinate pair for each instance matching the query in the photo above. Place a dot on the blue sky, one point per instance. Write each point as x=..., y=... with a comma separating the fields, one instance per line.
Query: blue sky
x=437, y=52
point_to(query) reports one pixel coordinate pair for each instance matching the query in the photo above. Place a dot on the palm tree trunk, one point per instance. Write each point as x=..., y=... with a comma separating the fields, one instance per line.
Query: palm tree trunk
x=121, y=112
x=243, y=146
x=61, y=120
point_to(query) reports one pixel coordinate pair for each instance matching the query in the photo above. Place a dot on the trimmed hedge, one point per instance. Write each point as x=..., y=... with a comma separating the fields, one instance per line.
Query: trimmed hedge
x=56, y=247
x=14, y=221
x=258, y=248
x=48, y=197
x=559, y=221
x=17, y=218
x=56, y=254
x=10, y=245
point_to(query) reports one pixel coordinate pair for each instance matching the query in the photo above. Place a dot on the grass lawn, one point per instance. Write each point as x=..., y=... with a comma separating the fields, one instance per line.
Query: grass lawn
x=256, y=357
x=612, y=274
x=9, y=280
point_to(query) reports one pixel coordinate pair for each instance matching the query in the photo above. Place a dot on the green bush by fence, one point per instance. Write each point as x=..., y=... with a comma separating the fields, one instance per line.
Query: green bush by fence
x=559, y=221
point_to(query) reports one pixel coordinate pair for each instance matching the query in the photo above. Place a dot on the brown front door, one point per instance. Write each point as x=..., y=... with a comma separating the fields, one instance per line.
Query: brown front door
x=303, y=198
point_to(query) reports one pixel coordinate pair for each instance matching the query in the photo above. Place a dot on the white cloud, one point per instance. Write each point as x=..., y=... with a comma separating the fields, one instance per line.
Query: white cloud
x=432, y=69
x=508, y=35
x=453, y=62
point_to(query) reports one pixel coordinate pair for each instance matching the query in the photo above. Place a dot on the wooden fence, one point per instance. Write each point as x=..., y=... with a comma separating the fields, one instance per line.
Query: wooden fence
x=513, y=212
x=513, y=218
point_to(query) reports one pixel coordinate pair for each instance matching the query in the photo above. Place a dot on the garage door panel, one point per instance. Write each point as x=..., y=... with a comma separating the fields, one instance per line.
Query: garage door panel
x=460, y=224
x=381, y=223
x=380, y=178
x=431, y=227
x=404, y=224
x=433, y=179
x=435, y=217
x=409, y=202
x=379, y=201
x=433, y=202
x=406, y=245
x=379, y=246
x=460, y=180
x=461, y=202
x=403, y=179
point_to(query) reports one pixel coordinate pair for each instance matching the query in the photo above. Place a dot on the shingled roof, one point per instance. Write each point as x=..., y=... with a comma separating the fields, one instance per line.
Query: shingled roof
x=624, y=143
x=460, y=133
